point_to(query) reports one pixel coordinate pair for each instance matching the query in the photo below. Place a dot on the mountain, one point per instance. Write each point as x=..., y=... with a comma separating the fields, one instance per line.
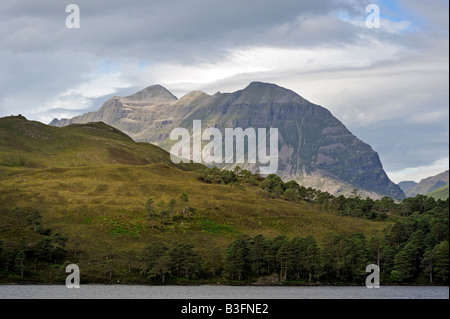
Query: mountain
x=91, y=183
x=441, y=193
x=429, y=184
x=315, y=148
x=407, y=186
x=32, y=144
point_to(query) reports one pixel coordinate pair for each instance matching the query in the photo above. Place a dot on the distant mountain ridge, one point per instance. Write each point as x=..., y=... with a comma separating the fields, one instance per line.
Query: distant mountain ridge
x=315, y=148
x=407, y=186
x=427, y=185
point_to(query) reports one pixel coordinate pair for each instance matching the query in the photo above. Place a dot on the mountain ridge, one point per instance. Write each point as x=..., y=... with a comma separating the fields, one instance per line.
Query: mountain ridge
x=32, y=144
x=316, y=149
x=153, y=94
x=429, y=184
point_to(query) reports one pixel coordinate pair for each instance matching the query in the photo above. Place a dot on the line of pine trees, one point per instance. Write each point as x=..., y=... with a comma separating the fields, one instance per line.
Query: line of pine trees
x=413, y=250
x=273, y=186
x=340, y=259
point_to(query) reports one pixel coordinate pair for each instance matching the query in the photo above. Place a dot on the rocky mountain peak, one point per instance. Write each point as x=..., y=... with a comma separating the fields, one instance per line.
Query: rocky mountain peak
x=263, y=93
x=155, y=94
x=193, y=97
x=315, y=148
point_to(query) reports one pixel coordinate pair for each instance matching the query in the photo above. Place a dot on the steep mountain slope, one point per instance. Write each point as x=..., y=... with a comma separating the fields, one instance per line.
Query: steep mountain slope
x=315, y=148
x=430, y=184
x=440, y=193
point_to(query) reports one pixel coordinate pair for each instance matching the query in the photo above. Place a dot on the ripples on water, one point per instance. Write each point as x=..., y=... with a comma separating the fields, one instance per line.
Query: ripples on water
x=217, y=292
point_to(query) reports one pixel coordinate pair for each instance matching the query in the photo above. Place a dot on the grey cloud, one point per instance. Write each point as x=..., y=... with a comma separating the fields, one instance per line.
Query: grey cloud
x=160, y=30
x=40, y=58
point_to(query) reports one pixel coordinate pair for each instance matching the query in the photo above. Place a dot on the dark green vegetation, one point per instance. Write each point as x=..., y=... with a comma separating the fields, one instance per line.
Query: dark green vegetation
x=132, y=216
x=413, y=250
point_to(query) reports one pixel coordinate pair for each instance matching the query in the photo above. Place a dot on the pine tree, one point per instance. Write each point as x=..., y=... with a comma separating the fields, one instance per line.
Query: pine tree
x=185, y=261
x=256, y=246
x=285, y=259
x=20, y=262
x=214, y=261
x=161, y=268
x=441, y=255
x=184, y=197
x=151, y=255
x=149, y=210
x=34, y=219
x=429, y=262
x=312, y=262
x=404, y=264
x=236, y=262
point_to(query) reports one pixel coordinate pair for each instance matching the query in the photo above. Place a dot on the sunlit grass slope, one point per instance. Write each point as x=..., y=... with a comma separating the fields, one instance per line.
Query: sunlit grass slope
x=91, y=183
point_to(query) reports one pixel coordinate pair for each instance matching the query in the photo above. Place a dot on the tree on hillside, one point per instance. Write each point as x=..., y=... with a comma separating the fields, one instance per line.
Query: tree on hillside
x=384, y=205
x=151, y=255
x=441, y=255
x=184, y=197
x=171, y=208
x=237, y=260
x=374, y=250
x=404, y=264
x=357, y=257
x=429, y=262
x=149, y=209
x=285, y=259
x=312, y=258
x=335, y=253
x=184, y=261
x=298, y=257
x=108, y=266
x=256, y=246
x=20, y=260
x=214, y=261
x=129, y=258
x=163, y=210
x=273, y=184
x=291, y=195
x=161, y=268
x=270, y=254
x=34, y=219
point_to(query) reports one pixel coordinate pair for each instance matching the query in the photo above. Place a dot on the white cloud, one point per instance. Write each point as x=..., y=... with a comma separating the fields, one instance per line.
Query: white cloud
x=416, y=174
x=428, y=118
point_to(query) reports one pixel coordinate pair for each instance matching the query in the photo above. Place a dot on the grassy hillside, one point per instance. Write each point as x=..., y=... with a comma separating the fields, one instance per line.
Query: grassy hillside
x=91, y=184
x=32, y=144
x=441, y=193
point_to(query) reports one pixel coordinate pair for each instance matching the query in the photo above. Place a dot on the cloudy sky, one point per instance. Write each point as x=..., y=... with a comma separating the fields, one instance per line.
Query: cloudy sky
x=389, y=86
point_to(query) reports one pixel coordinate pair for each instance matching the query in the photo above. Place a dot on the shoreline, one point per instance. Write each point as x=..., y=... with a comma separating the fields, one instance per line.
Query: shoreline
x=212, y=285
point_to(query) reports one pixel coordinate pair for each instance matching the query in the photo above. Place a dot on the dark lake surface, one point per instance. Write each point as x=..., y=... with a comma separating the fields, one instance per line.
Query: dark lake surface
x=217, y=292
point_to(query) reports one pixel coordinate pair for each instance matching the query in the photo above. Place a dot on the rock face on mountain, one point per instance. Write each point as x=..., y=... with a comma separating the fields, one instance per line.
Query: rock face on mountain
x=315, y=148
